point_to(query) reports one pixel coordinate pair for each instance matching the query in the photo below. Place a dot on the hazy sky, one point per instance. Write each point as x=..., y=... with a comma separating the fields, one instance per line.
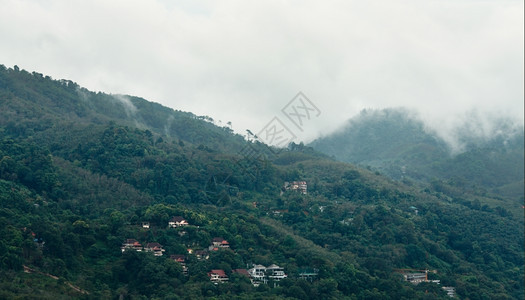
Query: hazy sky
x=243, y=61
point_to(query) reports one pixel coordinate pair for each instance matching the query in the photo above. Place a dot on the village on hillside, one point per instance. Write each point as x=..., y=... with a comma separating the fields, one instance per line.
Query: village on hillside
x=257, y=274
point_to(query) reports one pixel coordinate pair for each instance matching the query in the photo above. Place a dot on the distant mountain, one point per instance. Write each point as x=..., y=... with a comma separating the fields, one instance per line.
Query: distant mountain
x=396, y=142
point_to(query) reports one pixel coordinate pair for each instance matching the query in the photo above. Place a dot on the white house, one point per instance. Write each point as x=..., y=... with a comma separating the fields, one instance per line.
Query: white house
x=261, y=274
x=258, y=274
x=275, y=272
x=177, y=221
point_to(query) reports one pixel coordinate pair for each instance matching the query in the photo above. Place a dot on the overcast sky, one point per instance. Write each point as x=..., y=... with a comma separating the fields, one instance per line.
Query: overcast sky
x=243, y=61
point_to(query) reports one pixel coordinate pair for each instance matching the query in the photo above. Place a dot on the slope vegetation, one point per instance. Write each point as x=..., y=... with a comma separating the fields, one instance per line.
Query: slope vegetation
x=81, y=173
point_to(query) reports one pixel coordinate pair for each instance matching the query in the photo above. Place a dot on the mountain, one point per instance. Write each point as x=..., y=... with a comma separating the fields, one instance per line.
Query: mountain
x=88, y=178
x=33, y=103
x=397, y=143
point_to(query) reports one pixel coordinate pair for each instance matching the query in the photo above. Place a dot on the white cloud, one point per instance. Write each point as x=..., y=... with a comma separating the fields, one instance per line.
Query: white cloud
x=242, y=61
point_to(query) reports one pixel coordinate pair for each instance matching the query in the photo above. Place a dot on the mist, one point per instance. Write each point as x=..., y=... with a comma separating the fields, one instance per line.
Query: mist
x=458, y=64
x=472, y=129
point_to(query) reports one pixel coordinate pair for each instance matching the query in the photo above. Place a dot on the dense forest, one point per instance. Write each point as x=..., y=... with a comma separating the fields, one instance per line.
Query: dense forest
x=84, y=173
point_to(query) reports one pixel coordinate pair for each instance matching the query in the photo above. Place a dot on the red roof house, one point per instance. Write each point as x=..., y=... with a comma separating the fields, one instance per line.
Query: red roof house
x=217, y=276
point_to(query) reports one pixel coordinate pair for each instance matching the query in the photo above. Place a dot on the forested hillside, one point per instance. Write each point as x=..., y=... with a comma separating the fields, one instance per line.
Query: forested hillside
x=86, y=179
x=397, y=143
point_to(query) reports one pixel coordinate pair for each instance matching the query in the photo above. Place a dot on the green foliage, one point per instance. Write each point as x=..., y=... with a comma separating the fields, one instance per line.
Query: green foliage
x=81, y=171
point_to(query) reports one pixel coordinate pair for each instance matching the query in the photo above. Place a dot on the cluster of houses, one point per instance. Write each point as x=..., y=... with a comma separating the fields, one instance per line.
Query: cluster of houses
x=217, y=243
x=261, y=274
x=157, y=249
x=257, y=274
x=132, y=244
x=174, y=222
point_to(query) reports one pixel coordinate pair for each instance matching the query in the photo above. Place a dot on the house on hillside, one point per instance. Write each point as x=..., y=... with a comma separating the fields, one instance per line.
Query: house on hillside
x=177, y=221
x=218, y=243
x=298, y=186
x=181, y=259
x=217, y=276
x=258, y=274
x=178, y=258
x=416, y=276
x=131, y=244
x=202, y=254
x=275, y=272
x=261, y=274
x=156, y=248
x=145, y=225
